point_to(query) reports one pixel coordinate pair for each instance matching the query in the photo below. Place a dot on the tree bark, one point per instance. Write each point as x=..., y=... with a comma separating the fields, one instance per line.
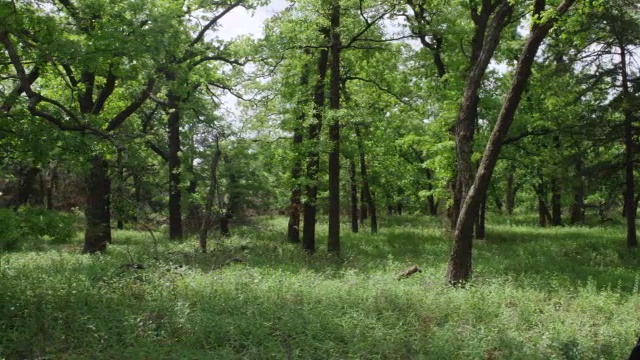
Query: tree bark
x=175, y=193
x=295, y=203
x=511, y=192
x=333, y=243
x=544, y=216
x=354, y=196
x=579, y=191
x=460, y=261
x=481, y=219
x=120, y=189
x=364, y=215
x=556, y=203
x=211, y=198
x=97, y=212
x=489, y=23
x=368, y=196
x=431, y=200
x=27, y=184
x=630, y=202
x=313, y=157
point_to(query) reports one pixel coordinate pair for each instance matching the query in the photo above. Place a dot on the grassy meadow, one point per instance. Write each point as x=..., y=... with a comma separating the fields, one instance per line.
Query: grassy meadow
x=554, y=293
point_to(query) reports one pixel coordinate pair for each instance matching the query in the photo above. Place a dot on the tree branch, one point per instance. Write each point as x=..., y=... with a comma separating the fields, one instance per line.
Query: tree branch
x=213, y=21
x=117, y=120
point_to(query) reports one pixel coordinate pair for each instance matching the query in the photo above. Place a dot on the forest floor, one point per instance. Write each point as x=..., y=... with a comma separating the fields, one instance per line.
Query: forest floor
x=554, y=293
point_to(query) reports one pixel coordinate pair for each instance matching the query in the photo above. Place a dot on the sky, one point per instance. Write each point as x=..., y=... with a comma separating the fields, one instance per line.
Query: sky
x=242, y=22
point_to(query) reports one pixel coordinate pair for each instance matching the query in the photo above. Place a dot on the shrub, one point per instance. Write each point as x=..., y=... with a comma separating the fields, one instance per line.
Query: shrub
x=32, y=225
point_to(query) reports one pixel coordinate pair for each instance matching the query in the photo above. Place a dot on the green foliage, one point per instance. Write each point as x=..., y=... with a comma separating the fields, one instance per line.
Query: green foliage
x=565, y=293
x=30, y=226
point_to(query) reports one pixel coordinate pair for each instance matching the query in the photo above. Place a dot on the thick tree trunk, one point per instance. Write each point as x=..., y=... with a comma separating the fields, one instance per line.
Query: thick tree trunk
x=460, y=264
x=175, y=193
x=399, y=208
x=97, y=212
x=354, y=196
x=211, y=199
x=333, y=243
x=313, y=158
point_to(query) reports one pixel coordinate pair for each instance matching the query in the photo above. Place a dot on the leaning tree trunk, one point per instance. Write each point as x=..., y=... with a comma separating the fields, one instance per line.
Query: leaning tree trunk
x=175, y=194
x=489, y=24
x=460, y=262
x=313, y=158
x=97, y=212
x=333, y=243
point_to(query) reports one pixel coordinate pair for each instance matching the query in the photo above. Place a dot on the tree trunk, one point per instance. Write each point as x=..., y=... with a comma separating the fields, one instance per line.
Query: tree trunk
x=484, y=43
x=121, y=195
x=97, y=212
x=629, y=156
x=460, y=265
x=399, y=208
x=577, y=209
x=313, y=158
x=544, y=216
x=556, y=203
x=333, y=243
x=211, y=198
x=27, y=184
x=53, y=182
x=480, y=221
x=364, y=215
x=293, y=228
x=368, y=196
x=354, y=196
x=431, y=200
x=175, y=193
x=511, y=192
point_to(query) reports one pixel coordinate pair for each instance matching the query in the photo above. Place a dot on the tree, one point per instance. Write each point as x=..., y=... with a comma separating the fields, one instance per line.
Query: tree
x=459, y=268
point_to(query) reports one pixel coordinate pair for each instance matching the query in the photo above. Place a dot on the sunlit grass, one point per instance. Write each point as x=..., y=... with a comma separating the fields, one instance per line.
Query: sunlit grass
x=562, y=293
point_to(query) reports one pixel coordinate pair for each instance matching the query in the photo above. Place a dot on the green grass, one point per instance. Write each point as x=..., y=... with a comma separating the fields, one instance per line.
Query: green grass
x=564, y=293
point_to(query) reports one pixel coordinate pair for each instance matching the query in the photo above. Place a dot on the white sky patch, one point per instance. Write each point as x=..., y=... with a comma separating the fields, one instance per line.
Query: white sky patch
x=241, y=22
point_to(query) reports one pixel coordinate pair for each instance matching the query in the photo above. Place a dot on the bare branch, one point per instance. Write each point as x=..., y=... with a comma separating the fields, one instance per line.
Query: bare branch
x=213, y=21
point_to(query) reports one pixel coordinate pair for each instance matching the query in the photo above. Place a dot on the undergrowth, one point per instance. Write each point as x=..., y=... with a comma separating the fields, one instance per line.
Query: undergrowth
x=564, y=293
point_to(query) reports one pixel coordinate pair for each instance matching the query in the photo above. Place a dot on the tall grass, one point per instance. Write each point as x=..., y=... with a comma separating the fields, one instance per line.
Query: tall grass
x=565, y=293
